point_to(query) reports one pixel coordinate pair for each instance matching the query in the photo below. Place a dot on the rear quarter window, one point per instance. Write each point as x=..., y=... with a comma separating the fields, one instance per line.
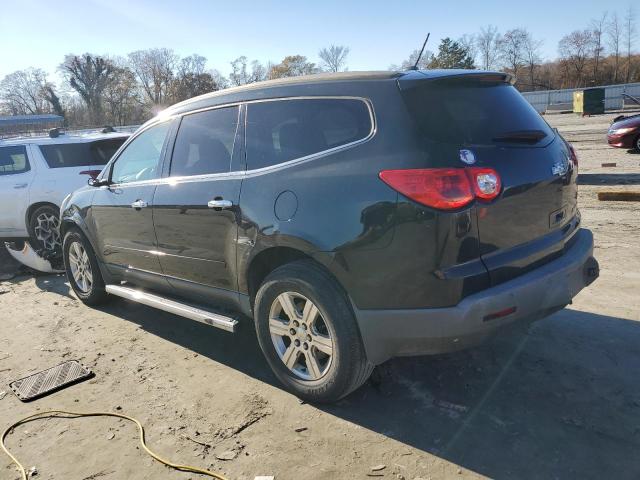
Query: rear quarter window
x=283, y=130
x=82, y=154
x=13, y=160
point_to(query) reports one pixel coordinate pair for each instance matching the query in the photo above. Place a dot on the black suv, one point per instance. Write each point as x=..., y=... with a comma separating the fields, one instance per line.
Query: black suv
x=355, y=217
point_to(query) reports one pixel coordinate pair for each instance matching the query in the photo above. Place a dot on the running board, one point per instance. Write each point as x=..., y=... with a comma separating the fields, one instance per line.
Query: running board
x=171, y=306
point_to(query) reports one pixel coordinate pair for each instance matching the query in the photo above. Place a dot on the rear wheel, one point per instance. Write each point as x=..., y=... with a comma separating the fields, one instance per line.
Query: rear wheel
x=44, y=229
x=308, y=333
x=82, y=269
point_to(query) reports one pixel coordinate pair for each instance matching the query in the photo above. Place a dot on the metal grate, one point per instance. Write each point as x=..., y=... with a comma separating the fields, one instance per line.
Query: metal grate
x=50, y=380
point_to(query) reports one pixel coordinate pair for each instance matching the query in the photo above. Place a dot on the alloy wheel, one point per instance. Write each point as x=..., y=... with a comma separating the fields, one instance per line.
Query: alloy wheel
x=80, y=267
x=301, y=336
x=47, y=230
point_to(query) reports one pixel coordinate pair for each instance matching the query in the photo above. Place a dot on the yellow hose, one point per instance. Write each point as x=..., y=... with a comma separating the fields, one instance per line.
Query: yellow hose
x=65, y=414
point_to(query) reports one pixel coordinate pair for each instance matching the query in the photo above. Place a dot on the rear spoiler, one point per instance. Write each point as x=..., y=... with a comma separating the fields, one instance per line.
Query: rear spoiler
x=415, y=78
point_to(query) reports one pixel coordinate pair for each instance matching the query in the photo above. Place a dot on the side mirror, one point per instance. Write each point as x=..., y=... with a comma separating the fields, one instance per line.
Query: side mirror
x=97, y=182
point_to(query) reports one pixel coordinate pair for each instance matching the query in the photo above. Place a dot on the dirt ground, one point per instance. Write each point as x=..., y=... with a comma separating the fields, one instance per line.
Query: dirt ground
x=561, y=400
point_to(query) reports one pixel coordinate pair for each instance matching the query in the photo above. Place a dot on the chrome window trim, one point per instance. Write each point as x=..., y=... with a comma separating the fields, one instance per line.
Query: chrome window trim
x=240, y=174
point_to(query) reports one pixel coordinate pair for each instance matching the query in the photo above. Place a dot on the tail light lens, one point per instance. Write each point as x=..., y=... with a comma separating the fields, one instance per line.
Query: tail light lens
x=444, y=188
x=485, y=181
x=573, y=155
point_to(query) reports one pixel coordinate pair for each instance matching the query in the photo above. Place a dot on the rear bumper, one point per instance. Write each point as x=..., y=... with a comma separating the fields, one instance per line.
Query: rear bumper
x=534, y=295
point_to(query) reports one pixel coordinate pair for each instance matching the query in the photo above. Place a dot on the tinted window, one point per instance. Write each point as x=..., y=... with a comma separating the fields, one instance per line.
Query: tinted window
x=140, y=160
x=473, y=113
x=284, y=130
x=81, y=154
x=204, y=143
x=13, y=160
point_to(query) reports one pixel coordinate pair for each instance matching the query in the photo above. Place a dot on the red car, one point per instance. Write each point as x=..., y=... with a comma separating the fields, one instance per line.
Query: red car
x=625, y=132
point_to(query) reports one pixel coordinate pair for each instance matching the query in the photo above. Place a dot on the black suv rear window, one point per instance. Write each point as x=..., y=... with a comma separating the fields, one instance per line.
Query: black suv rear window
x=81, y=154
x=283, y=130
x=474, y=113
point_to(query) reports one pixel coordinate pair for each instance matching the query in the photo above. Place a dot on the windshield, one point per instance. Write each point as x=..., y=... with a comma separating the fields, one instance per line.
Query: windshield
x=465, y=113
x=81, y=154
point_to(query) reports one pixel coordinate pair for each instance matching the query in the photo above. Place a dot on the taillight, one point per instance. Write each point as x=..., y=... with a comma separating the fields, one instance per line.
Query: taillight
x=444, y=188
x=573, y=155
x=485, y=181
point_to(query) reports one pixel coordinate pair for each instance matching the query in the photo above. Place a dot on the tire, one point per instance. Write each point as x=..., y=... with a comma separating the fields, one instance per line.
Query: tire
x=44, y=229
x=80, y=259
x=637, y=144
x=312, y=374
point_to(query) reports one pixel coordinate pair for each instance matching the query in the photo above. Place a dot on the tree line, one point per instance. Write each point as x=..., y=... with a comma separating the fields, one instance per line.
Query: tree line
x=98, y=89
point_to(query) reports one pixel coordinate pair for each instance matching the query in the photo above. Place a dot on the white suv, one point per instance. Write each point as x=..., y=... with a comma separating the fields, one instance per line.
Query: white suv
x=37, y=173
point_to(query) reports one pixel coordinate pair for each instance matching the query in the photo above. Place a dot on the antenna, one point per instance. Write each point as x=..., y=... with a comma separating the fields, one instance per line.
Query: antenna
x=415, y=66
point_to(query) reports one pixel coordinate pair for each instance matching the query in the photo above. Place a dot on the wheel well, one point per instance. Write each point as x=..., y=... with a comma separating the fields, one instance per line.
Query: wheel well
x=266, y=262
x=35, y=206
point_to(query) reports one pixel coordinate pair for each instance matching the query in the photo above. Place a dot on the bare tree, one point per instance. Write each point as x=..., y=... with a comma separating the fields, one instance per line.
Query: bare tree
x=575, y=48
x=409, y=63
x=488, y=46
x=192, y=79
x=240, y=74
x=258, y=72
x=89, y=75
x=122, y=99
x=220, y=80
x=194, y=64
x=21, y=92
x=51, y=96
x=292, y=66
x=512, y=49
x=532, y=56
x=334, y=58
x=629, y=37
x=470, y=45
x=614, y=32
x=598, y=26
x=155, y=69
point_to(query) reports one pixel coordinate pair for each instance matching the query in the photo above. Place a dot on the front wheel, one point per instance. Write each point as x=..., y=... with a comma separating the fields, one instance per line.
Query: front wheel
x=82, y=269
x=638, y=144
x=308, y=333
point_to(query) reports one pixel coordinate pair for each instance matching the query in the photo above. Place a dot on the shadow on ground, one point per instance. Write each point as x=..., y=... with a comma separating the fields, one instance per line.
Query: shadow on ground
x=559, y=401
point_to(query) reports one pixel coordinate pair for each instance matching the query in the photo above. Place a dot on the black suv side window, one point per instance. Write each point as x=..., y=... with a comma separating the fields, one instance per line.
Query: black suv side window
x=13, y=160
x=140, y=160
x=204, y=143
x=283, y=130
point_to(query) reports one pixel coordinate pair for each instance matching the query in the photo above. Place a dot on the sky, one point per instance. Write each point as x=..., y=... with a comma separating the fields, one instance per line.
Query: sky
x=37, y=33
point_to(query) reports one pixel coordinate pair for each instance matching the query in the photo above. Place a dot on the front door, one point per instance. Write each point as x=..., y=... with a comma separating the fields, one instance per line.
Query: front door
x=196, y=209
x=16, y=176
x=122, y=211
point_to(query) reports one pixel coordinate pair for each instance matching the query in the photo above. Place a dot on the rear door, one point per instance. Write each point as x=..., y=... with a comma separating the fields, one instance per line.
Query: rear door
x=196, y=211
x=16, y=175
x=488, y=123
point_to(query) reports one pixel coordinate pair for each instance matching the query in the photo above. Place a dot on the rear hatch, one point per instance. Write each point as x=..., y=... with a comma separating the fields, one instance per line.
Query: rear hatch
x=535, y=215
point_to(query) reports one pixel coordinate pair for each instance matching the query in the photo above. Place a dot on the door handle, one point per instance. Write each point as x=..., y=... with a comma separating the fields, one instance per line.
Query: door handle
x=20, y=185
x=138, y=204
x=219, y=203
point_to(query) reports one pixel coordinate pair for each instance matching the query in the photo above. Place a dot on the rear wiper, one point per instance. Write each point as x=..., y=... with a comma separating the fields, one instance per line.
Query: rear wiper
x=524, y=136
